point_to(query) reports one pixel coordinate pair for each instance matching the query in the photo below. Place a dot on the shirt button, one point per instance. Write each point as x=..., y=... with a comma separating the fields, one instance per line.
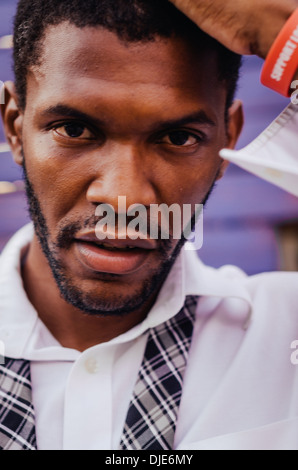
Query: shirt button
x=92, y=365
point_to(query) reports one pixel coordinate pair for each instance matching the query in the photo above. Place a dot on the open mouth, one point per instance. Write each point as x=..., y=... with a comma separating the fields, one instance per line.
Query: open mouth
x=108, y=247
x=112, y=256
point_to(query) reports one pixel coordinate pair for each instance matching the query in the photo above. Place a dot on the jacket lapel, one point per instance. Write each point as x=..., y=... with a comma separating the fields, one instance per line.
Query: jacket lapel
x=17, y=422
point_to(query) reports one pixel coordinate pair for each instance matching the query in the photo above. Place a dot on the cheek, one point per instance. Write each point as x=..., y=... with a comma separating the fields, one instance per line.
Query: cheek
x=190, y=183
x=56, y=183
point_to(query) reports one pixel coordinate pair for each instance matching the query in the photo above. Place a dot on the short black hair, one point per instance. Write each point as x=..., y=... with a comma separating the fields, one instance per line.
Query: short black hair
x=131, y=20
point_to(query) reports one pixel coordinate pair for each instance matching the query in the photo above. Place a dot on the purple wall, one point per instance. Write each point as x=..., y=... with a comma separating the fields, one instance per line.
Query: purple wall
x=240, y=218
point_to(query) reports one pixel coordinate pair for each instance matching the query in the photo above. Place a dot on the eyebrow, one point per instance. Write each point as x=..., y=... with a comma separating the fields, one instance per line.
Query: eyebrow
x=199, y=117
x=67, y=111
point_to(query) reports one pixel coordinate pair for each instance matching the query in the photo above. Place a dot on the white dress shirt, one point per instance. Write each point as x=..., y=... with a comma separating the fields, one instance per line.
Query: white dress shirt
x=240, y=389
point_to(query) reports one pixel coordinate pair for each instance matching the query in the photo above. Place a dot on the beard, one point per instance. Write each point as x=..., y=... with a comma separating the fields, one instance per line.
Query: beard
x=91, y=302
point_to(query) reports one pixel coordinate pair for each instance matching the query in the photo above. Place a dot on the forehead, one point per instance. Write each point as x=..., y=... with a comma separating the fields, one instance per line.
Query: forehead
x=93, y=63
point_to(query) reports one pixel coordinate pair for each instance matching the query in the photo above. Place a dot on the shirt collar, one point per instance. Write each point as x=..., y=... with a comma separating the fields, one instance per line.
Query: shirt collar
x=189, y=276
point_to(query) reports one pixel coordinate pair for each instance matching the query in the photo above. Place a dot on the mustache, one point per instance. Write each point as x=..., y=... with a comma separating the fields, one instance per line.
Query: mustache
x=68, y=232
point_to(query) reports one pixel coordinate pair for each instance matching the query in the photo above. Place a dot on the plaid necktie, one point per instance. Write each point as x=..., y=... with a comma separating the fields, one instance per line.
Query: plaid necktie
x=152, y=415
x=17, y=421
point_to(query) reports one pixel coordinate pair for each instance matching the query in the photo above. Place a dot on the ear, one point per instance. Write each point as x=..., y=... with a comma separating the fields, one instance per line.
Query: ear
x=13, y=121
x=235, y=126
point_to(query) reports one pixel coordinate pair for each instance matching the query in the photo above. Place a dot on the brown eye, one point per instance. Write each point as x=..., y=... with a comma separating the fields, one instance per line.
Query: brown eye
x=181, y=139
x=74, y=131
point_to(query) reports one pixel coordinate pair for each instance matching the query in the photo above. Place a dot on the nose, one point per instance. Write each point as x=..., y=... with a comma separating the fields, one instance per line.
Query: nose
x=122, y=173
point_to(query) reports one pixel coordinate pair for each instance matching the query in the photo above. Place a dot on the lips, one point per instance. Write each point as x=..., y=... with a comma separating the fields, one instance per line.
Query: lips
x=120, y=256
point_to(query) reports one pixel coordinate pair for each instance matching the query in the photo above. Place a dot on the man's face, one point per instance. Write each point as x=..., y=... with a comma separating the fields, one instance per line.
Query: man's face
x=106, y=119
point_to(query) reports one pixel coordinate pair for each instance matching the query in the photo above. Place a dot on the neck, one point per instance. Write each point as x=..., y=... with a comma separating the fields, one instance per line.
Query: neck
x=70, y=326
